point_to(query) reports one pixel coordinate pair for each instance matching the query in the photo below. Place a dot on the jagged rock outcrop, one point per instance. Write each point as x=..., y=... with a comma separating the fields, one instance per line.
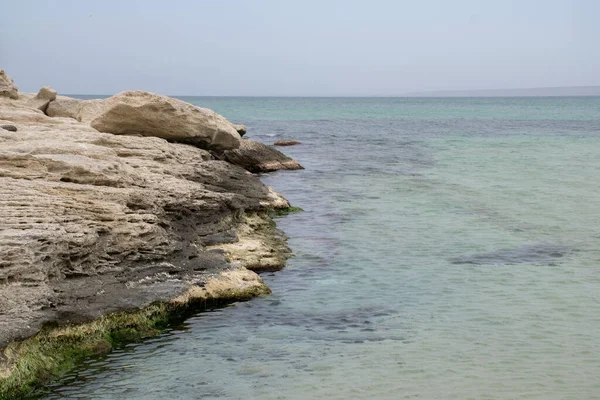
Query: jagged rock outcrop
x=42, y=99
x=7, y=86
x=258, y=157
x=99, y=213
x=93, y=222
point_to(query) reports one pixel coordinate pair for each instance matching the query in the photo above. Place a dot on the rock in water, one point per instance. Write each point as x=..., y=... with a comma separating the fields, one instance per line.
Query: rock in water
x=286, y=143
x=7, y=86
x=257, y=157
x=43, y=98
x=136, y=112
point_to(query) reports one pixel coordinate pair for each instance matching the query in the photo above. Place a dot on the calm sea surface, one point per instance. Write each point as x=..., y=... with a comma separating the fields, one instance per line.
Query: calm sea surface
x=449, y=248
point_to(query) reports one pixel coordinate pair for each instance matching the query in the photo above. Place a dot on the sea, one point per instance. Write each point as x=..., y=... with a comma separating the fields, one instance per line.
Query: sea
x=449, y=248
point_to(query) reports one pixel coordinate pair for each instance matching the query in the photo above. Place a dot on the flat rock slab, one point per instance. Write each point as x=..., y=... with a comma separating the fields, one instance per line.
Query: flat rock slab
x=258, y=157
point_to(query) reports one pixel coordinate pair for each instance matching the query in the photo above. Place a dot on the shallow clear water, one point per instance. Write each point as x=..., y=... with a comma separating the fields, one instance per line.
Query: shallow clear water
x=449, y=248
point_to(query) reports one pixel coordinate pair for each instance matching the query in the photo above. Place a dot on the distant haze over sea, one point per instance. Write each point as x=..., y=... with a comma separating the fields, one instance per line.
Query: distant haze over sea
x=546, y=91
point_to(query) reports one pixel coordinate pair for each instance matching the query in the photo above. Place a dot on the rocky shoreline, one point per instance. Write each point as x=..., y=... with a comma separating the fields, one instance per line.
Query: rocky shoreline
x=118, y=215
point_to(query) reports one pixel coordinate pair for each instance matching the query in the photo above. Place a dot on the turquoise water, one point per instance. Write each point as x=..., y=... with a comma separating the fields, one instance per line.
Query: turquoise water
x=449, y=248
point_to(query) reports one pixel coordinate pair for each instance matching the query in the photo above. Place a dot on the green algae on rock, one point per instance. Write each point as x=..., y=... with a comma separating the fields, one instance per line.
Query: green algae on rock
x=279, y=212
x=57, y=349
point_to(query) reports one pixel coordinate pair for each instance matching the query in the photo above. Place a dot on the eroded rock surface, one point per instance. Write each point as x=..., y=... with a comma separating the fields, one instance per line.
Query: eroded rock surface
x=7, y=86
x=92, y=222
x=257, y=246
x=258, y=157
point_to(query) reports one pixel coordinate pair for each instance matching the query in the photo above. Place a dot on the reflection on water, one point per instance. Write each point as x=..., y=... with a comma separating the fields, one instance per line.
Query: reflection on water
x=449, y=258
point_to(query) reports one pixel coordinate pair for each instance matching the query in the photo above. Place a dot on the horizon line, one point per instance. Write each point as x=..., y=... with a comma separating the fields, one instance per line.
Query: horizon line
x=337, y=96
x=446, y=93
x=412, y=94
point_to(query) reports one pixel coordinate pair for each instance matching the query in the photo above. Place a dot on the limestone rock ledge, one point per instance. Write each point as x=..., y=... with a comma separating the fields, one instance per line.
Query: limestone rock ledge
x=93, y=224
x=258, y=157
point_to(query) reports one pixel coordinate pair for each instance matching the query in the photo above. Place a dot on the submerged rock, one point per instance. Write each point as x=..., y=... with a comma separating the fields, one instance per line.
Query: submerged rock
x=286, y=143
x=257, y=157
x=7, y=86
x=529, y=254
x=136, y=112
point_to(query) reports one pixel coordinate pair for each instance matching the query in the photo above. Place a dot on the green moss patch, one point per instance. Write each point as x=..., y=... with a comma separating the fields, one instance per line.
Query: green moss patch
x=285, y=211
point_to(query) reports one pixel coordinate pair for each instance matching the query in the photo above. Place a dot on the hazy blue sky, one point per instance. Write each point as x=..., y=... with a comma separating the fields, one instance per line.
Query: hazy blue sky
x=345, y=47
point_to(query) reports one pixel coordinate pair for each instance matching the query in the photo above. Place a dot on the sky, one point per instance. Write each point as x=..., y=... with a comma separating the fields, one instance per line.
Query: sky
x=299, y=48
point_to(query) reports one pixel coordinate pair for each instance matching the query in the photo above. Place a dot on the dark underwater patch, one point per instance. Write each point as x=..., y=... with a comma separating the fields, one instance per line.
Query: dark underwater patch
x=531, y=254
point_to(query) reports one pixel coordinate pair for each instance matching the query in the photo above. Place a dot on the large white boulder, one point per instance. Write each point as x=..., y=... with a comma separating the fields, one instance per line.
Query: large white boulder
x=136, y=112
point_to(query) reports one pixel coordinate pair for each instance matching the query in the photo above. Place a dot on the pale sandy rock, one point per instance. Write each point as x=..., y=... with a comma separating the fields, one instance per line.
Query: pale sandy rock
x=64, y=106
x=90, y=109
x=7, y=86
x=258, y=157
x=42, y=99
x=93, y=222
x=39, y=104
x=226, y=284
x=258, y=246
x=46, y=93
x=142, y=113
x=21, y=114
